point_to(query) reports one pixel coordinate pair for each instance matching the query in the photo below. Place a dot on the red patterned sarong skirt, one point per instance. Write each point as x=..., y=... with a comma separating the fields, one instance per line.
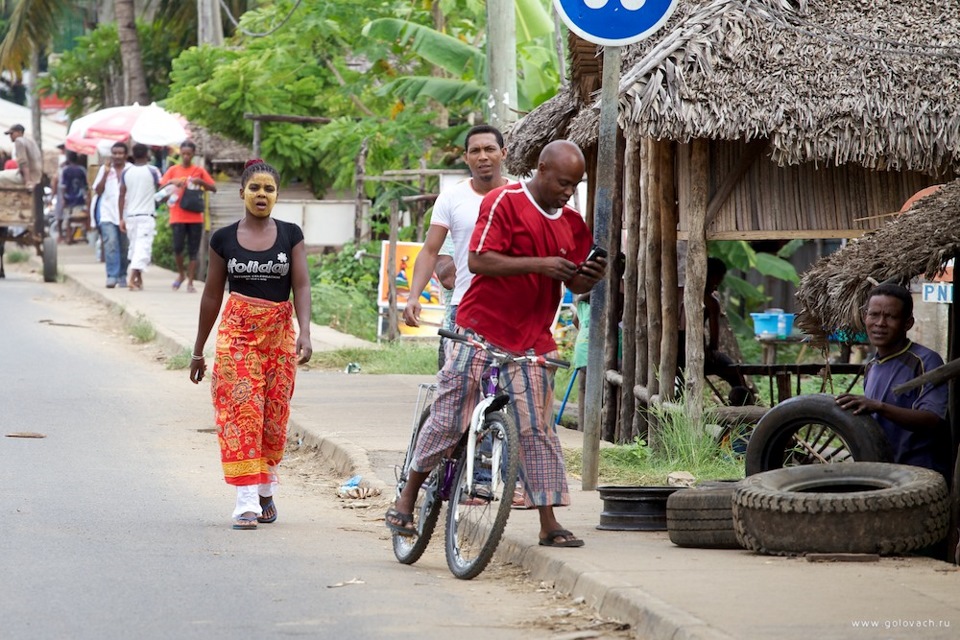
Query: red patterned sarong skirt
x=252, y=383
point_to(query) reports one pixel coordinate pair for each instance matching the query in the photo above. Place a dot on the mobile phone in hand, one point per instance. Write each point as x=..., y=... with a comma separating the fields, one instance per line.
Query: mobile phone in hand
x=596, y=251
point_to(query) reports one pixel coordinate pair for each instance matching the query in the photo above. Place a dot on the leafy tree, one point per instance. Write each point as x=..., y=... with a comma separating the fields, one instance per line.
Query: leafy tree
x=318, y=64
x=130, y=56
x=90, y=75
x=740, y=256
x=460, y=54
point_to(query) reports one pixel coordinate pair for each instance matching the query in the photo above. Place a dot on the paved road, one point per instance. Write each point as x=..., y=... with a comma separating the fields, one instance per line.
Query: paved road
x=116, y=523
x=362, y=423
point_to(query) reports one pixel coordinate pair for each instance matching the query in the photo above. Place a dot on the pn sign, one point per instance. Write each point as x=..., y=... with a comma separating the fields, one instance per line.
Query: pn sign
x=614, y=22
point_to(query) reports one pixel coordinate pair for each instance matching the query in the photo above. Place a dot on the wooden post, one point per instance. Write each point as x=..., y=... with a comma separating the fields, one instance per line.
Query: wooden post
x=392, y=319
x=631, y=219
x=611, y=329
x=653, y=275
x=668, y=230
x=360, y=194
x=256, y=138
x=421, y=207
x=642, y=351
x=696, y=280
x=606, y=183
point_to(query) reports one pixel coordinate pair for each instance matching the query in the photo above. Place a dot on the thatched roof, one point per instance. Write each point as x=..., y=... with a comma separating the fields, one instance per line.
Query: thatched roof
x=831, y=81
x=529, y=135
x=217, y=149
x=919, y=241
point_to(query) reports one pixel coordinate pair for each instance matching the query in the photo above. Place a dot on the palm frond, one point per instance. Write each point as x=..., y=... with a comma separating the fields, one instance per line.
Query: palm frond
x=446, y=52
x=448, y=91
x=32, y=24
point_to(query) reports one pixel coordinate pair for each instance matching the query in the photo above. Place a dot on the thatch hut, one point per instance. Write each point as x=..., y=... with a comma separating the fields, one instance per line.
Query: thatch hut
x=921, y=241
x=758, y=119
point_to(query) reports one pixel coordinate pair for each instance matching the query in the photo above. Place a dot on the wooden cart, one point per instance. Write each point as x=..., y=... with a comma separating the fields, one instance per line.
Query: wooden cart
x=22, y=222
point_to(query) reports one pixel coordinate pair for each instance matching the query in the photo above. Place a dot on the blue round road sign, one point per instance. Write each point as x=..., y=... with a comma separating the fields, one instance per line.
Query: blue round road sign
x=614, y=22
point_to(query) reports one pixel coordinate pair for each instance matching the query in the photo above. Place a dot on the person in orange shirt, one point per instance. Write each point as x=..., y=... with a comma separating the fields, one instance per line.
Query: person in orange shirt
x=187, y=225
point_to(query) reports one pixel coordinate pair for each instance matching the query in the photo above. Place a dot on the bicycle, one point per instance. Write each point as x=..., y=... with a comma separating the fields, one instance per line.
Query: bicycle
x=477, y=480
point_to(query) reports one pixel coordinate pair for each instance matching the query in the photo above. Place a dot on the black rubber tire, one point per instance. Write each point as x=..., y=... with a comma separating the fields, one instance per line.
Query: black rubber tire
x=409, y=549
x=953, y=536
x=49, y=256
x=835, y=435
x=474, y=531
x=702, y=516
x=857, y=507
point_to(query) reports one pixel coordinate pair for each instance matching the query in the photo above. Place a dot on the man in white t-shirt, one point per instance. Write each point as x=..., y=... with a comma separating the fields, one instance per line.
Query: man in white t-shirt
x=138, y=211
x=105, y=213
x=456, y=212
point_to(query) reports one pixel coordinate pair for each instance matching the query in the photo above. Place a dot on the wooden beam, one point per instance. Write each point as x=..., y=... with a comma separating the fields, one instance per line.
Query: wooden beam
x=750, y=154
x=696, y=279
x=668, y=269
x=936, y=377
x=631, y=219
x=417, y=173
x=424, y=197
x=803, y=234
x=393, y=326
x=653, y=274
x=611, y=395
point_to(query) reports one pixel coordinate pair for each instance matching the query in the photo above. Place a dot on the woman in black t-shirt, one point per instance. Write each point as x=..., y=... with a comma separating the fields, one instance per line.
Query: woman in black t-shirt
x=263, y=260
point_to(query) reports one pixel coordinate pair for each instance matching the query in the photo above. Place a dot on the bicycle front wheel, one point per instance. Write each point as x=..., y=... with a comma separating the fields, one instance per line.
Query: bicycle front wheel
x=408, y=549
x=478, y=510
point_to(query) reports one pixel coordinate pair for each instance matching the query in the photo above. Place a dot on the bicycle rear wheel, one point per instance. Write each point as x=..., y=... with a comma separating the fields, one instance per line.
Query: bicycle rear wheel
x=408, y=549
x=477, y=517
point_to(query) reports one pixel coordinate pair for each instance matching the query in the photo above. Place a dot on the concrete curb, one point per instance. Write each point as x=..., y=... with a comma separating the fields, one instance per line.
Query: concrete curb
x=601, y=590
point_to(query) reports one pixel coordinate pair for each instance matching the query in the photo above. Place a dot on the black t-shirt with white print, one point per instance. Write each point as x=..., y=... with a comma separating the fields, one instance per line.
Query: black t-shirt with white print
x=259, y=274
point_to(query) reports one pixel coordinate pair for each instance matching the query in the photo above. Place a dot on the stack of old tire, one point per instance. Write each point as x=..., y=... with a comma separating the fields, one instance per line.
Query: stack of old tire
x=866, y=506
x=702, y=516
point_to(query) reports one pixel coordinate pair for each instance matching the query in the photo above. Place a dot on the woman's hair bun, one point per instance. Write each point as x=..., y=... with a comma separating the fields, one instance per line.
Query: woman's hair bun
x=252, y=162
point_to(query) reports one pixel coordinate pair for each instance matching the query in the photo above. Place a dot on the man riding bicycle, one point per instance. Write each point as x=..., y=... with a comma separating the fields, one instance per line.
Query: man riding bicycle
x=525, y=244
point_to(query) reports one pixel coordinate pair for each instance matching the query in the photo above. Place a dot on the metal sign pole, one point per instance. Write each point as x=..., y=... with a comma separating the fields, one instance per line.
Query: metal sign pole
x=603, y=210
x=612, y=24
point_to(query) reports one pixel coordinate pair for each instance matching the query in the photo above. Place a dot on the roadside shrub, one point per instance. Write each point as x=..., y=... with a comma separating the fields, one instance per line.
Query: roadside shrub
x=163, y=241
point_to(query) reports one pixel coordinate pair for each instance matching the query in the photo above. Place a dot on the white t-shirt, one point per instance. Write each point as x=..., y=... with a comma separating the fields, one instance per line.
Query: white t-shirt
x=109, y=200
x=141, y=181
x=457, y=210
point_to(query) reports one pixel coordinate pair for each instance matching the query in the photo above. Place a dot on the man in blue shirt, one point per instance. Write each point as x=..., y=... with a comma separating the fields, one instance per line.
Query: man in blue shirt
x=71, y=190
x=915, y=421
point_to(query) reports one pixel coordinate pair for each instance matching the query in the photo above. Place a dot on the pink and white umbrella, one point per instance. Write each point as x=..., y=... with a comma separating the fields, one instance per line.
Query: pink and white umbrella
x=150, y=125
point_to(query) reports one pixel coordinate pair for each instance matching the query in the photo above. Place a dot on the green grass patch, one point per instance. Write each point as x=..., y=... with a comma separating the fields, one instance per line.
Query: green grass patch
x=345, y=309
x=142, y=331
x=677, y=446
x=401, y=358
x=16, y=256
x=179, y=361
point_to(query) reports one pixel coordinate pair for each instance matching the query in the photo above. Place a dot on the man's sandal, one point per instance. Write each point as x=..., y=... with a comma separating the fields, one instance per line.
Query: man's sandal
x=561, y=538
x=400, y=523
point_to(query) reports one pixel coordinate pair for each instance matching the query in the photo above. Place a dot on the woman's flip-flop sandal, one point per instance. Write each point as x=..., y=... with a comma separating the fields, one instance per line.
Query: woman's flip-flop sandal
x=269, y=511
x=245, y=521
x=176, y=284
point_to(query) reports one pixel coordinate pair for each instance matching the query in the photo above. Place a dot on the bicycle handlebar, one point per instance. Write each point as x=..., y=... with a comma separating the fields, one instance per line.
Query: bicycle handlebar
x=459, y=337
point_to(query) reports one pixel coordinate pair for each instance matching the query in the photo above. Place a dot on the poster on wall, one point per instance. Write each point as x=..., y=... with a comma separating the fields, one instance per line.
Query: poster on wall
x=431, y=301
